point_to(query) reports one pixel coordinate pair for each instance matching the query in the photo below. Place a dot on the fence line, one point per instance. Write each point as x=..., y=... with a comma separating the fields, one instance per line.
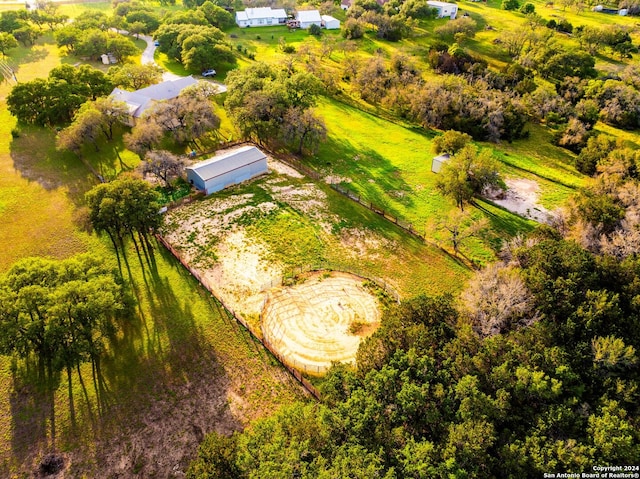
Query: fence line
x=295, y=373
x=310, y=172
x=294, y=271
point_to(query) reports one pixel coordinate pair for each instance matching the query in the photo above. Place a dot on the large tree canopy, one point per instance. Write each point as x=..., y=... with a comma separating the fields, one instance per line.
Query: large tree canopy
x=261, y=98
x=124, y=207
x=54, y=101
x=467, y=174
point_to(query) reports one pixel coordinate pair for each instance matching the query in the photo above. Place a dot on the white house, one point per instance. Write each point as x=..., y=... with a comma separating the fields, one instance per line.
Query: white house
x=438, y=161
x=445, y=9
x=227, y=169
x=261, y=17
x=306, y=18
x=140, y=100
x=330, y=23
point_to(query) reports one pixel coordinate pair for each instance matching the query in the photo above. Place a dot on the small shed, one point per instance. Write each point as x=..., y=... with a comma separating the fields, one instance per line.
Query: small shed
x=330, y=23
x=227, y=169
x=445, y=9
x=438, y=161
x=308, y=18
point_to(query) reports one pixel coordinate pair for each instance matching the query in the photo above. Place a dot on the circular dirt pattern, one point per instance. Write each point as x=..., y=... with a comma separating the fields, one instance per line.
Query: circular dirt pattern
x=320, y=320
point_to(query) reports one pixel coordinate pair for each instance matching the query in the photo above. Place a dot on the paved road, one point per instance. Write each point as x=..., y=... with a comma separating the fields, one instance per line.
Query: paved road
x=147, y=57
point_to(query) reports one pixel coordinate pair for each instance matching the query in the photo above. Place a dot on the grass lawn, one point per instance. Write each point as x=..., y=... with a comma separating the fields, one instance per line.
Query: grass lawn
x=168, y=357
x=389, y=164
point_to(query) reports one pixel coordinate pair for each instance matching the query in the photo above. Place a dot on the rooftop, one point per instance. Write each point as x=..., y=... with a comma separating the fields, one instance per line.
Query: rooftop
x=138, y=101
x=228, y=161
x=308, y=16
x=262, y=12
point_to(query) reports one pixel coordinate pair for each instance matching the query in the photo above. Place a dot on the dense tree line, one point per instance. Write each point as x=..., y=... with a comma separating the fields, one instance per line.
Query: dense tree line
x=55, y=100
x=535, y=372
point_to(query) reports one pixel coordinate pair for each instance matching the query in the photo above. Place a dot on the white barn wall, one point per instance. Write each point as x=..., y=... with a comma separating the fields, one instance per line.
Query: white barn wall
x=227, y=169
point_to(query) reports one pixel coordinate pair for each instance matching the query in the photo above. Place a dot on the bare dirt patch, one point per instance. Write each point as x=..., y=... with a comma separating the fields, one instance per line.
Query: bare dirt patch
x=320, y=320
x=521, y=198
x=240, y=265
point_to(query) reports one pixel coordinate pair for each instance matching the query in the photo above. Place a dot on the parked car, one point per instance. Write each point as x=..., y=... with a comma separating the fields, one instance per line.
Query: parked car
x=156, y=43
x=209, y=73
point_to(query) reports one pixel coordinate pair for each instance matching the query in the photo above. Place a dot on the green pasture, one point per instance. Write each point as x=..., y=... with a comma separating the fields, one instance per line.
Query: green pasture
x=343, y=234
x=387, y=163
x=173, y=341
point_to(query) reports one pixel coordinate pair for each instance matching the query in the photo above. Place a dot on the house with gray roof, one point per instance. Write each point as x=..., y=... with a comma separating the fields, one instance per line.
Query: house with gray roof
x=140, y=100
x=261, y=17
x=226, y=169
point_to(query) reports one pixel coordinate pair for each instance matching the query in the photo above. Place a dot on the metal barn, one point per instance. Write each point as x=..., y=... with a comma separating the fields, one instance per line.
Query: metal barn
x=227, y=169
x=438, y=161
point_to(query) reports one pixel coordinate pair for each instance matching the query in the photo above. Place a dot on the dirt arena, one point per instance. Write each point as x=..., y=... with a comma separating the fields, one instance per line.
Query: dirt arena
x=320, y=320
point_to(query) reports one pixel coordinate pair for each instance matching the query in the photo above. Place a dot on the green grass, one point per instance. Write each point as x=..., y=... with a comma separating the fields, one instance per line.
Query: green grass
x=387, y=163
x=343, y=234
x=172, y=342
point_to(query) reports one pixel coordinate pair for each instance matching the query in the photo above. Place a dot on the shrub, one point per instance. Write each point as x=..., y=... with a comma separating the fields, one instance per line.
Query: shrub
x=315, y=30
x=352, y=29
x=528, y=8
x=510, y=4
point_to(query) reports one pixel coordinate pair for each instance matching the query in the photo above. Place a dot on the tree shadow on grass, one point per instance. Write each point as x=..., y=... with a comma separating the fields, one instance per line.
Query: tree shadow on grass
x=36, y=159
x=29, y=414
x=373, y=177
x=34, y=54
x=167, y=387
x=508, y=223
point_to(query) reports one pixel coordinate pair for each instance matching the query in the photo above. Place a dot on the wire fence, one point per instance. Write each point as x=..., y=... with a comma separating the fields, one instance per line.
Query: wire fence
x=237, y=317
x=295, y=271
x=310, y=172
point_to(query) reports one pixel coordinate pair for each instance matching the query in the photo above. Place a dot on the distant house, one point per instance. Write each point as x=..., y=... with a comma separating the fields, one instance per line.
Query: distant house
x=330, y=23
x=445, y=9
x=438, y=161
x=306, y=18
x=227, y=169
x=140, y=100
x=261, y=17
